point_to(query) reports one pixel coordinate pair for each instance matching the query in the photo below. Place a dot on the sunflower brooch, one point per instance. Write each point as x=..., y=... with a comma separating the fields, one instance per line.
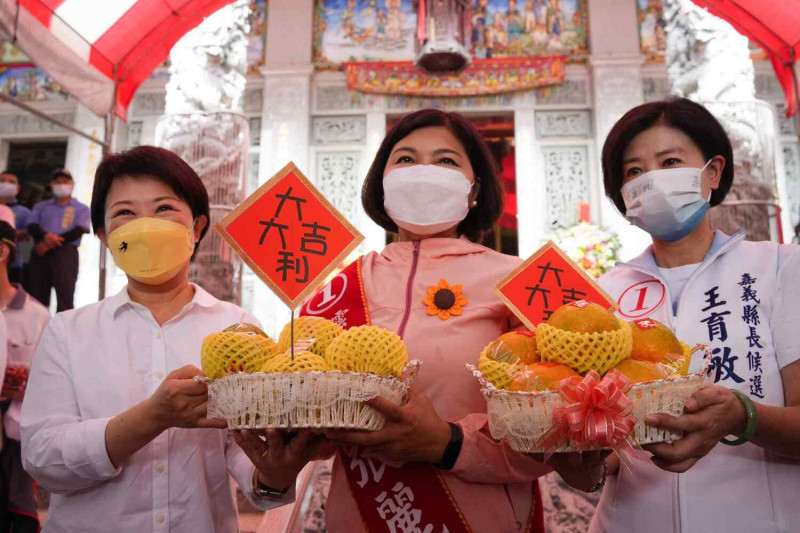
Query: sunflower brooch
x=445, y=300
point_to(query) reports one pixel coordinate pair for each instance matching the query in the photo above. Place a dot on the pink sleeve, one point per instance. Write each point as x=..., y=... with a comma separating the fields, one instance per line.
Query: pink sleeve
x=483, y=460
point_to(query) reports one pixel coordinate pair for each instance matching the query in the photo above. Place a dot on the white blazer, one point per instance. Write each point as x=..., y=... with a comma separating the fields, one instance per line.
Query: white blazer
x=743, y=301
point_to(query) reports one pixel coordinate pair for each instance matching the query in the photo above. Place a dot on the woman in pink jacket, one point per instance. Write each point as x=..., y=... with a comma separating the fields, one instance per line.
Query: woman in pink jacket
x=433, y=467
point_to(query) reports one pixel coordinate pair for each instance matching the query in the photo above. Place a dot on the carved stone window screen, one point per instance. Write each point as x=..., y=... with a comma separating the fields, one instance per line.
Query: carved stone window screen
x=566, y=170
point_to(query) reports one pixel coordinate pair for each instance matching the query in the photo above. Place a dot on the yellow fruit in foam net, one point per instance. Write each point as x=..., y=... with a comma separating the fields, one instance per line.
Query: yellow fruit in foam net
x=496, y=372
x=236, y=349
x=368, y=349
x=304, y=362
x=599, y=350
x=307, y=327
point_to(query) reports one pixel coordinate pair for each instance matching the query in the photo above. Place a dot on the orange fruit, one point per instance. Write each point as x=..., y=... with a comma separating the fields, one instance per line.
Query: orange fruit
x=541, y=376
x=653, y=341
x=583, y=317
x=641, y=371
x=515, y=346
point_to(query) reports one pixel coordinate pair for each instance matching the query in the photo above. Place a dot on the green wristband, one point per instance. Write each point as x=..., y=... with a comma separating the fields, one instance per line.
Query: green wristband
x=752, y=420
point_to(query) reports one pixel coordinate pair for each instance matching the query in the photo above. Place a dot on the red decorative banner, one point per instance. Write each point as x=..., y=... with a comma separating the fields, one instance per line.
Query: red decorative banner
x=546, y=281
x=482, y=77
x=290, y=235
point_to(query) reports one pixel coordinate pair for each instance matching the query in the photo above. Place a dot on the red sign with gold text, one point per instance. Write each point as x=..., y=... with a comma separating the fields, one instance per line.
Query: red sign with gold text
x=290, y=235
x=546, y=281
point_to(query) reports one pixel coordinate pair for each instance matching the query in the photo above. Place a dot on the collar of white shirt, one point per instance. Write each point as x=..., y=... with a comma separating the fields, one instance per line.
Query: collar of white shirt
x=122, y=300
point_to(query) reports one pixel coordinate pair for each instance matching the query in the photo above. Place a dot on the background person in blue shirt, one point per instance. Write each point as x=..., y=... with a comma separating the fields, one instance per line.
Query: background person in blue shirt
x=57, y=226
x=9, y=190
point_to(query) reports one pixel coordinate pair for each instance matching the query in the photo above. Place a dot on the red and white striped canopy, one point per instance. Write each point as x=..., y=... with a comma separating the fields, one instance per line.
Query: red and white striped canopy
x=100, y=51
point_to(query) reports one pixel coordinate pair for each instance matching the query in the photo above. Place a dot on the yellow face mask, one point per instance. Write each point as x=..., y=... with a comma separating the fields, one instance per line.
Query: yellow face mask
x=151, y=250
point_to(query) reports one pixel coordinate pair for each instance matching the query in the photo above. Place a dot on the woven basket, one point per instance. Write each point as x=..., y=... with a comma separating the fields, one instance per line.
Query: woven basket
x=584, y=351
x=327, y=399
x=524, y=417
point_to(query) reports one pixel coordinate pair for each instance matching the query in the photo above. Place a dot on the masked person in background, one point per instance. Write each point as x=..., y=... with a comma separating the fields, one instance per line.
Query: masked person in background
x=434, y=184
x=737, y=467
x=56, y=226
x=25, y=319
x=9, y=191
x=113, y=423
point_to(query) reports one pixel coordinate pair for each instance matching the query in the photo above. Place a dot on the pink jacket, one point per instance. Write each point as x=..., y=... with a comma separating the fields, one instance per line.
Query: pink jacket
x=492, y=485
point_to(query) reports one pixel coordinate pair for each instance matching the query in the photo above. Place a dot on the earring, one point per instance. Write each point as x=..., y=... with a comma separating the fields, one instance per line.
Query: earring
x=474, y=203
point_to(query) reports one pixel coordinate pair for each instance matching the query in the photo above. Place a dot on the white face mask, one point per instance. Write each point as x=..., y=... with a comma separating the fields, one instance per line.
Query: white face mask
x=666, y=203
x=426, y=199
x=8, y=190
x=62, y=190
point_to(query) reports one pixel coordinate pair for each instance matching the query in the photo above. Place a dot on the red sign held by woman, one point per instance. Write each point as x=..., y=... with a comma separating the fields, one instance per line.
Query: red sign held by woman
x=546, y=281
x=290, y=235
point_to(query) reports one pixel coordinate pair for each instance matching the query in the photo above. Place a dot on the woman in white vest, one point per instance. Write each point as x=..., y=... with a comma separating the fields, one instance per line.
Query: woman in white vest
x=737, y=468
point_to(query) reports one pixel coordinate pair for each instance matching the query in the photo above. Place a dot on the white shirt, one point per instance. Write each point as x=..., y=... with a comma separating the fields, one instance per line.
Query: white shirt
x=95, y=362
x=744, y=302
x=676, y=279
x=25, y=321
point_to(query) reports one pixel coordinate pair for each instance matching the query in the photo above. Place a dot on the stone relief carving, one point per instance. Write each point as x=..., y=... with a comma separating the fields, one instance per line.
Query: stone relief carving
x=563, y=124
x=571, y=92
x=27, y=123
x=336, y=98
x=616, y=91
x=255, y=131
x=654, y=89
x=791, y=164
x=469, y=102
x=339, y=130
x=134, y=133
x=253, y=101
x=145, y=104
x=768, y=88
x=337, y=178
x=286, y=97
x=566, y=183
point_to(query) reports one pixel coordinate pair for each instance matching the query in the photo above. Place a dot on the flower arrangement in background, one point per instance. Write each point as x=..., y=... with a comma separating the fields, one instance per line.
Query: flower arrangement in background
x=594, y=249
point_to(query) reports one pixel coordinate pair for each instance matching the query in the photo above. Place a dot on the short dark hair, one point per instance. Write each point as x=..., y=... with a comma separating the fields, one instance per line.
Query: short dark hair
x=61, y=172
x=489, y=200
x=691, y=118
x=149, y=161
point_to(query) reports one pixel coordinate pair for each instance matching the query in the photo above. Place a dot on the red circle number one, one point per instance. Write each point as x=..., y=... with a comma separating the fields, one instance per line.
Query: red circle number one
x=641, y=299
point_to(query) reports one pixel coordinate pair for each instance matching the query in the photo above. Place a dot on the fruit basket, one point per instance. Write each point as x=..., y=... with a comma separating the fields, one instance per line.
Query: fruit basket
x=591, y=387
x=323, y=382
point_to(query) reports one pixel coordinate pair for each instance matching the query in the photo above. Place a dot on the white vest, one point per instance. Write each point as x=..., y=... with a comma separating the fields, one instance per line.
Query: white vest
x=727, y=303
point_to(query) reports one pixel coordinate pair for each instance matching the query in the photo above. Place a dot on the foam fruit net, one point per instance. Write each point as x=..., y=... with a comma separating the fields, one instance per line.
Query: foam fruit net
x=584, y=351
x=368, y=349
x=496, y=372
x=322, y=331
x=304, y=362
x=229, y=352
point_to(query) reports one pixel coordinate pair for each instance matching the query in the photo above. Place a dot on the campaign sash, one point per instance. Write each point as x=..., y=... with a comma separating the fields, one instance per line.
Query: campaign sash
x=415, y=496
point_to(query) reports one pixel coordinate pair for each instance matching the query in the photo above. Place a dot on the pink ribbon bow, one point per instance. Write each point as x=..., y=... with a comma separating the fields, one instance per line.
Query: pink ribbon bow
x=598, y=414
